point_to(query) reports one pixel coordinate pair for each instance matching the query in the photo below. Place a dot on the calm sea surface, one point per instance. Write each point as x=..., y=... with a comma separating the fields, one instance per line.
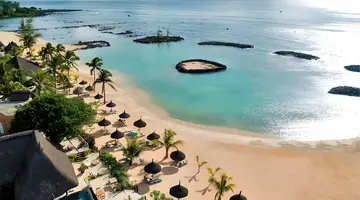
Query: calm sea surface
x=260, y=91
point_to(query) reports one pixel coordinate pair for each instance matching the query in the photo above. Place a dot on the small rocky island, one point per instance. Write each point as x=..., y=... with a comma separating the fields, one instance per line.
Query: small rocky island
x=159, y=39
x=93, y=44
x=227, y=44
x=353, y=68
x=199, y=66
x=297, y=55
x=346, y=90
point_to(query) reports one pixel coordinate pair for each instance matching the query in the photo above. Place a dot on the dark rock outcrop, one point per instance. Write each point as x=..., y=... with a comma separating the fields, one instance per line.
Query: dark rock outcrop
x=297, y=55
x=353, y=68
x=93, y=44
x=180, y=67
x=159, y=39
x=121, y=33
x=227, y=44
x=346, y=90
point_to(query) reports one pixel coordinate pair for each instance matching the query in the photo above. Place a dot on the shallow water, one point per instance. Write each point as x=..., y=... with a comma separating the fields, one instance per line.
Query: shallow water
x=259, y=92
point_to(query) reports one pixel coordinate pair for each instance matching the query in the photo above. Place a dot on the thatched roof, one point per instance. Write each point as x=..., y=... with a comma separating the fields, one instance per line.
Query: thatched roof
x=35, y=168
x=10, y=47
x=19, y=62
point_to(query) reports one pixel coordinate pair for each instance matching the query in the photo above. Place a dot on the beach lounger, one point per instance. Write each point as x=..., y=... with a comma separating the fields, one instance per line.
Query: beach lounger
x=152, y=182
x=100, y=193
x=95, y=162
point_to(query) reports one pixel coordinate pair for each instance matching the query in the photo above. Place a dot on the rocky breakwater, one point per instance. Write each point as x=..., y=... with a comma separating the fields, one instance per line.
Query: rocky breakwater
x=93, y=44
x=199, y=66
x=297, y=55
x=353, y=68
x=346, y=90
x=227, y=44
x=158, y=39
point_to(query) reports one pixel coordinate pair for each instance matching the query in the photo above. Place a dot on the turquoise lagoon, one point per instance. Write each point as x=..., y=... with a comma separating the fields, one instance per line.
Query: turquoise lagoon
x=259, y=92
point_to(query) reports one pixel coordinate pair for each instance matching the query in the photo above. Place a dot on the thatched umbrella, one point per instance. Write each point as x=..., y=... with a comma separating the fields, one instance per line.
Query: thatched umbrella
x=124, y=115
x=104, y=123
x=89, y=88
x=117, y=134
x=179, y=191
x=152, y=168
x=177, y=156
x=78, y=91
x=98, y=96
x=68, y=86
x=238, y=197
x=140, y=124
x=110, y=105
x=83, y=82
x=153, y=136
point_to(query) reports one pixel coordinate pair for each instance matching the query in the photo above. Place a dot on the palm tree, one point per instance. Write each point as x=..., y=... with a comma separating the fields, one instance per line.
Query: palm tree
x=133, y=149
x=168, y=141
x=104, y=78
x=223, y=185
x=95, y=64
x=200, y=164
x=41, y=82
x=59, y=49
x=212, y=174
x=47, y=53
x=27, y=34
x=70, y=59
x=54, y=66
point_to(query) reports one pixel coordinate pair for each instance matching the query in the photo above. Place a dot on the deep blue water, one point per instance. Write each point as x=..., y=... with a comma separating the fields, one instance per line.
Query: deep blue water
x=259, y=92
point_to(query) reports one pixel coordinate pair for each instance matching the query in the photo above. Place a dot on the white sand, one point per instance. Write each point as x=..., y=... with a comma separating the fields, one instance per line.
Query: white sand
x=262, y=167
x=196, y=65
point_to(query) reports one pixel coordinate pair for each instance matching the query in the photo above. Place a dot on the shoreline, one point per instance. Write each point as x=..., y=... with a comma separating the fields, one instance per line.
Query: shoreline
x=261, y=166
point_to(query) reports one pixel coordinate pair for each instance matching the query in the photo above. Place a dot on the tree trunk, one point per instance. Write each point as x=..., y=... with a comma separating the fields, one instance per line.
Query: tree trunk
x=94, y=74
x=69, y=77
x=167, y=152
x=104, y=93
x=131, y=161
x=55, y=80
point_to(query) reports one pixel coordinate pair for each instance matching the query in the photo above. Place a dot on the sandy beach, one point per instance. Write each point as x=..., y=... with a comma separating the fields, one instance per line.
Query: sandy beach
x=263, y=167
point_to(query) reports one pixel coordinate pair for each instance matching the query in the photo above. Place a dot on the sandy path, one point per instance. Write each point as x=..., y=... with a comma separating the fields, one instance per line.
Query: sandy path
x=263, y=167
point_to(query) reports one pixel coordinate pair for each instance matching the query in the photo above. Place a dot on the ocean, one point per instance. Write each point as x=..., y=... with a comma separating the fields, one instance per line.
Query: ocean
x=259, y=92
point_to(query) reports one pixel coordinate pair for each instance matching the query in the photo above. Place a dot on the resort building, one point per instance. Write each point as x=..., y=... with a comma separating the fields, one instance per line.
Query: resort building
x=33, y=168
x=22, y=63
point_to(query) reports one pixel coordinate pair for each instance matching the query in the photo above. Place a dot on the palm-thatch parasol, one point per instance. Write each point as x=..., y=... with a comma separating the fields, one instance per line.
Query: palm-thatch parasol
x=152, y=168
x=82, y=82
x=69, y=86
x=179, y=191
x=78, y=91
x=89, y=88
x=140, y=124
x=177, y=156
x=117, y=134
x=124, y=115
x=111, y=104
x=153, y=136
x=238, y=197
x=104, y=123
x=98, y=96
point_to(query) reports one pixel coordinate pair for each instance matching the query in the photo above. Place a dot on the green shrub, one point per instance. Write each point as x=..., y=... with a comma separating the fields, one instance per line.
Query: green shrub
x=116, y=169
x=72, y=157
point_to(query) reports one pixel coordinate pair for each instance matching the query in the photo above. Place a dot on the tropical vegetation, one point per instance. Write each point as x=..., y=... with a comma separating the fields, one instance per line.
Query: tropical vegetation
x=222, y=186
x=157, y=195
x=95, y=64
x=134, y=147
x=116, y=169
x=13, y=9
x=168, y=141
x=57, y=116
x=200, y=164
x=28, y=36
x=104, y=78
